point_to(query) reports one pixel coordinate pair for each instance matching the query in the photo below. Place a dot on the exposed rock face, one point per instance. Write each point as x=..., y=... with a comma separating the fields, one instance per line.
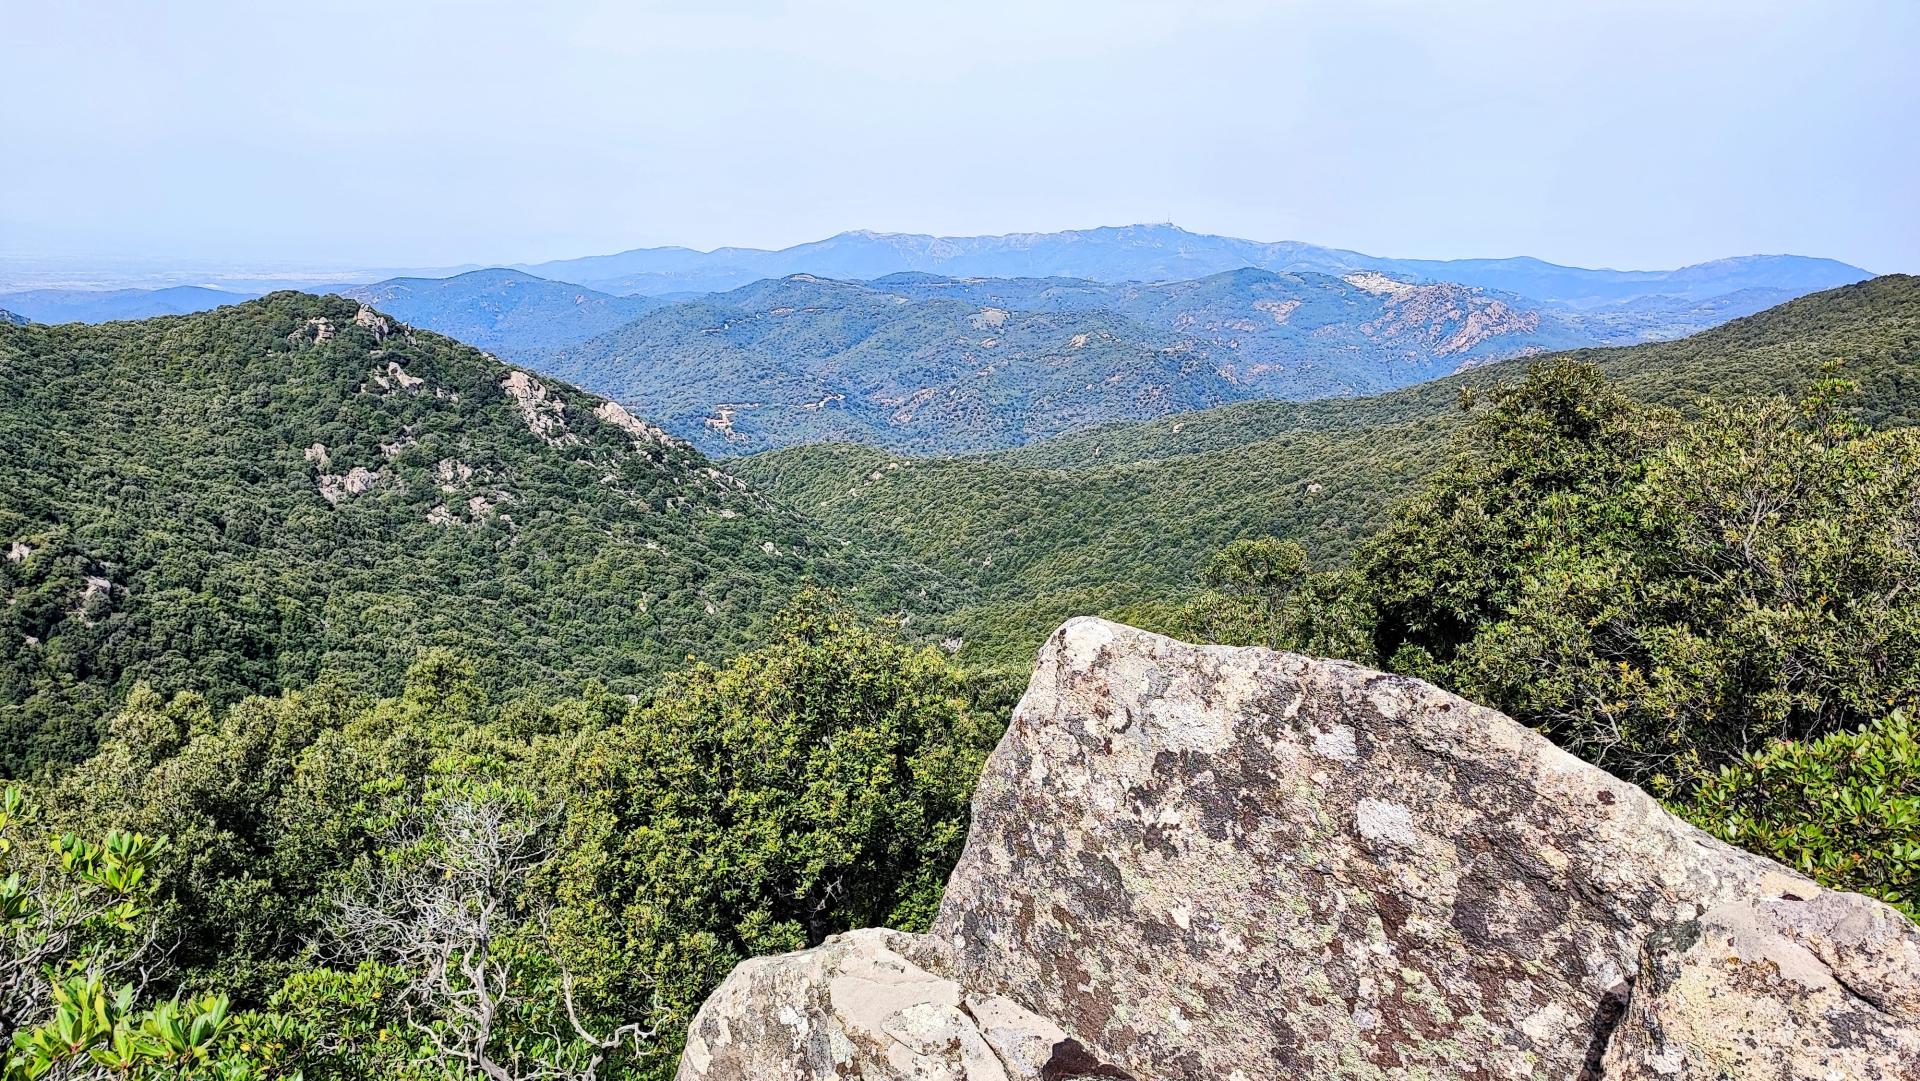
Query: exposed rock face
x=318, y=329
x=1778, y=989
x=544, y=413
x=1203, y=862
x=860, y=1007
x=451, y=473
x=1442, y=319
x=374, y=322
x=642, y=433
x=356, y=481
x=396, y=376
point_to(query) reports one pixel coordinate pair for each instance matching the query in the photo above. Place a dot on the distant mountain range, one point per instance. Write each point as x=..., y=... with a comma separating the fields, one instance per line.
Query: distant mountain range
x=1119, y=516
x=930, y=363
x=12, y=319
x=934, y=363
x=959, y=344
x=1169, y=253
x=107, y=305
x=507, y=311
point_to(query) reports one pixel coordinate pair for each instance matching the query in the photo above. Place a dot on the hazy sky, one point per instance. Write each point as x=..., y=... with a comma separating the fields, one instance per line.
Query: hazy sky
x=1613, y=133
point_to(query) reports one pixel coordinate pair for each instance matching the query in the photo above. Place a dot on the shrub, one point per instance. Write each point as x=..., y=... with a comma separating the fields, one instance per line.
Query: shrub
x=1844, y=809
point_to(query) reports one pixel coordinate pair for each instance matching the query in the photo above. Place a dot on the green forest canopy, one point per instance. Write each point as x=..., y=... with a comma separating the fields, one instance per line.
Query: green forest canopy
x=651, y=819
x=1119, y=517
x=239, y=500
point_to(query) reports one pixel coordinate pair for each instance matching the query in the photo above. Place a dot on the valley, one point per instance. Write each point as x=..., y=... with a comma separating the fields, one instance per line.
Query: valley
x=1116, y=518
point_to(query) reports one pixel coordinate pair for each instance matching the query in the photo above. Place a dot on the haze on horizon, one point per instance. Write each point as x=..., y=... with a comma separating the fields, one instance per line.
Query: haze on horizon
x=1630, y=135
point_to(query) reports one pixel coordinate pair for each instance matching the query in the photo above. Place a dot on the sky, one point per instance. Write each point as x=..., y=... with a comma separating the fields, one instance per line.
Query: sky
x=413, y=134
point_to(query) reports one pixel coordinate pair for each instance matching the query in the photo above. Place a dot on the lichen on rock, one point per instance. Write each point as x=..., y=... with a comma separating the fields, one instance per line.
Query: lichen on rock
x=1716, y=996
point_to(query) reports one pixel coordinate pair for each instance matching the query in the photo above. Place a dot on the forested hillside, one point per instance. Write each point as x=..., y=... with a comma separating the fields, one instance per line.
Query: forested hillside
x=506, y=311
x=1124, y=515
x=548, y=691
x=804, y=359
x=929, y=364
x=240, y=500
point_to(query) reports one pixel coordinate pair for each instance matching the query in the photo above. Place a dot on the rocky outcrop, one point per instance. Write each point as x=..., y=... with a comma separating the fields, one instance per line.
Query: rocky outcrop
x=1777, y=989
x=859, y=1006
x=394, y=378
x=1204, y=862
x=316, y=330
x=543, y=411
x=374, y=322
x=1439, y=319
x=359, y=480
x=642, y=433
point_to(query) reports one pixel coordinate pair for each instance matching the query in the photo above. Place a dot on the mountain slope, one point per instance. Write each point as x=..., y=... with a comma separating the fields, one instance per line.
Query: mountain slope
x=1873, y=328
x=804, y=359
x=101, y=306
x=13, y=319
x=1167, y=253
x=1123, y=515
x=929, y=363
x=506, y=311
x=243, y=499
x=1298, y=335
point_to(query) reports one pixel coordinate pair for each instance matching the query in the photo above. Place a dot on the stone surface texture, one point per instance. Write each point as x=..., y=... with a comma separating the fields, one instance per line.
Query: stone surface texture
x=1210, y=862
x=858, y=1006
x=1776, y=990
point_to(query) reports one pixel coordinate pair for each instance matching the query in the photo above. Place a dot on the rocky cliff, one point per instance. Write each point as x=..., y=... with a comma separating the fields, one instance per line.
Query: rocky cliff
x=1204, y=862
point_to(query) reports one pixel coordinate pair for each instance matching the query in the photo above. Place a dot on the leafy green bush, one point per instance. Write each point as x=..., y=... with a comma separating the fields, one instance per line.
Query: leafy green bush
x=1844, y=808
x=1656, y=593
x=78, y=943
x=812, y=785
x=815, y=785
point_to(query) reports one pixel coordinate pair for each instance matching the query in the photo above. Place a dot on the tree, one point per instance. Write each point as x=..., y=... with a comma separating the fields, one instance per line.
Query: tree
x=1660, y=595
x=814, y=785
x=1540, y=466
x=444, y=912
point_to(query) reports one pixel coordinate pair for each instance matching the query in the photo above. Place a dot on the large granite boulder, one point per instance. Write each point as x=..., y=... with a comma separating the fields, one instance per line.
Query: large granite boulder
x=1206, y=862
x=860, y=1006
x=1778, y=989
